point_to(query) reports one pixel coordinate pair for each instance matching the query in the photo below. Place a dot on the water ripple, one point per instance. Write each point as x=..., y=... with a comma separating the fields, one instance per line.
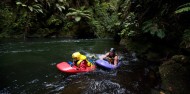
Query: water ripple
x=105, y=87
x=22, y=51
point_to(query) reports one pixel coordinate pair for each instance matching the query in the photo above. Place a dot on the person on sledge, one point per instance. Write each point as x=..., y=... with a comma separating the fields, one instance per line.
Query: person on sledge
x=80, y=60
x=111, y=57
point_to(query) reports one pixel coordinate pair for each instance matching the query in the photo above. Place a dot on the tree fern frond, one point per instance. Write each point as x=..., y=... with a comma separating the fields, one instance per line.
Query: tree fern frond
x=184, y=5
x=181, y=10
x=71, y=14
x=186, y=39
x=37, y=6
x=145, y=27
x=72, y=9
x=79, y=13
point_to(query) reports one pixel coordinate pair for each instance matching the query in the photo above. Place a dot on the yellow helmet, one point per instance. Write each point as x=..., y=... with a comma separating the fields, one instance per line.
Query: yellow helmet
x=76, y=55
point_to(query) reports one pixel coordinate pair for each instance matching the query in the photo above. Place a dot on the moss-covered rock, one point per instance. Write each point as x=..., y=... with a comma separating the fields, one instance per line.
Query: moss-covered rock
x=180, y=59
x=174, y=75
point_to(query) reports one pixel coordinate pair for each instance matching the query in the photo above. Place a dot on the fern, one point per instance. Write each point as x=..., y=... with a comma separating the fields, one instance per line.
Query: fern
x=186, y=39
x=153, y=28
x=79, y=13
x=54, y=20
x=184, y=5
x=183, y=8
x=146, y=26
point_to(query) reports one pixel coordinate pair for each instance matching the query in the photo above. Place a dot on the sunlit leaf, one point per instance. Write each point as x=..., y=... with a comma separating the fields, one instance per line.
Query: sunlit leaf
x=40, y=10
x=118, y=23
x=18, y=3
x=58, y=6
x=181, y=10
x=70, y=14
x=72, y=9
x=37, y=6
x=31, y=8
x=77, y=18
x=23, y=5
x=48, y=3
x=62, y=7
x=60, y=0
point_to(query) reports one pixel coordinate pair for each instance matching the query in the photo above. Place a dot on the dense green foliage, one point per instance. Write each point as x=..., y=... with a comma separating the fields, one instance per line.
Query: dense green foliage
x=158, y=23
x=58, y=18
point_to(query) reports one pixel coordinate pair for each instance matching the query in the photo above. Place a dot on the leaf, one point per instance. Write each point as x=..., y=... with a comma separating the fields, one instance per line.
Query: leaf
x=126, y=25
x=87, y=16
x=117, y=23
x=63, y=7
x=60, y=9
x=23, y=5
x=153, y=28
x=60, y=0
x=37, y=6
x=40, y=10
x=72, y=9
x=152, y=31
x=18, y=3
x=181, y=10
x=160, y=33
x=147, y=25
x=49, y=4
x=31, y=8
x=71, y=14
x=145, y=28
x=184, y=5
x=77, y=18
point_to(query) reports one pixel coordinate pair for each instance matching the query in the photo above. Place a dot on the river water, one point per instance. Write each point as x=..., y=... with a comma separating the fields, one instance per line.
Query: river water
x=29, y=67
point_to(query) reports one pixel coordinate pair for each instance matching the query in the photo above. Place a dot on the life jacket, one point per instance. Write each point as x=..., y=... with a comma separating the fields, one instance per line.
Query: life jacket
x=83, y=59
x=111, y=56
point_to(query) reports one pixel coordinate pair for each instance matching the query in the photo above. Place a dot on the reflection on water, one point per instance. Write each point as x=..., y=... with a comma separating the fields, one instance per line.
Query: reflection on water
x=29, y=67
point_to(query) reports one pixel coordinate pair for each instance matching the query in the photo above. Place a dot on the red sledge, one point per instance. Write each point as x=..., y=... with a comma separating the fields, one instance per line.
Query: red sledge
x=67, y=68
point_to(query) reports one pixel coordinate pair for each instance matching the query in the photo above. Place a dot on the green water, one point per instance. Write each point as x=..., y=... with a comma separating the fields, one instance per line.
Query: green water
x=29, y=67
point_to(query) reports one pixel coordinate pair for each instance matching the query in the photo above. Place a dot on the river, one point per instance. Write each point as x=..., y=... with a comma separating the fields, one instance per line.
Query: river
x=29, y=67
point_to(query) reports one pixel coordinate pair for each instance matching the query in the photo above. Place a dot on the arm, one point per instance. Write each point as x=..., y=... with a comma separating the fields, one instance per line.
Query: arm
x=115, y=60
x=78, y=63
x=104, y=56
x=82, y=58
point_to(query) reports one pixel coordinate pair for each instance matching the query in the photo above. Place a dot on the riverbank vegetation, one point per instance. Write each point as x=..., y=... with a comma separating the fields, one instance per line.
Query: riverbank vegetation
x=59, y=18
x=157, y=30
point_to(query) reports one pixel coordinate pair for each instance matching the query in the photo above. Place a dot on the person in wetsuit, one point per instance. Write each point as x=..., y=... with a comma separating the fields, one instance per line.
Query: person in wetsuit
x=80, y=60
x=111, y=57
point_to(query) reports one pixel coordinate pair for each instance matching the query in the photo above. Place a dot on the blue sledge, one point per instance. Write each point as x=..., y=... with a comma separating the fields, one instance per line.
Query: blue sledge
x=106, y=64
